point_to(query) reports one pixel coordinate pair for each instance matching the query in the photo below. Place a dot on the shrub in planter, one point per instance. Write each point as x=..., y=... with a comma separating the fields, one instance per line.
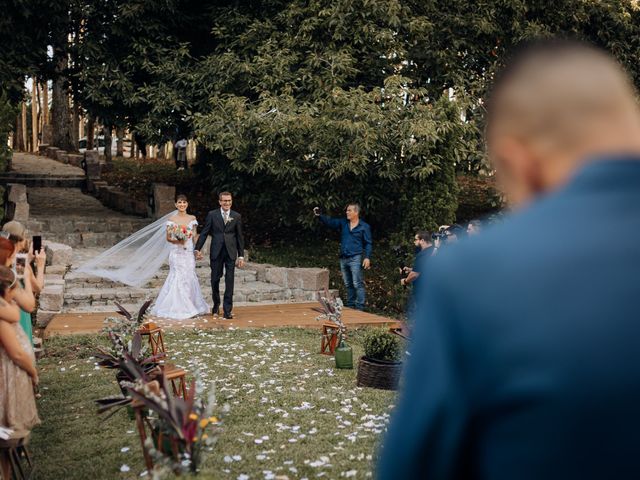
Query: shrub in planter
x=380, y=344
x=380, y=367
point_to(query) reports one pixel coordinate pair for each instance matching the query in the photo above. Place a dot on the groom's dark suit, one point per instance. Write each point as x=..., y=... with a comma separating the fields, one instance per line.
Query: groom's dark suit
x=227, y=244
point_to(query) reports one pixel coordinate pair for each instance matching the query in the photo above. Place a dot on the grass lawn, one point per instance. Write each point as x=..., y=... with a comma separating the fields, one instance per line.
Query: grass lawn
x=293, y=415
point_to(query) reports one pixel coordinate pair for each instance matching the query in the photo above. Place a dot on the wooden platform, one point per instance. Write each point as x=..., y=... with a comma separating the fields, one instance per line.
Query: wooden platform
x=258, y=316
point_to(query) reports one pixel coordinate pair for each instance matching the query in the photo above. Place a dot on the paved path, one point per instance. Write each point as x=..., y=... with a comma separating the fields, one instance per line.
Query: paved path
x=27, y=163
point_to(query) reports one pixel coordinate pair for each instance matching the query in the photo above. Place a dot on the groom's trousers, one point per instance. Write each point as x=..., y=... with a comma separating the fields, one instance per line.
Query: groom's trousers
x=228, y=264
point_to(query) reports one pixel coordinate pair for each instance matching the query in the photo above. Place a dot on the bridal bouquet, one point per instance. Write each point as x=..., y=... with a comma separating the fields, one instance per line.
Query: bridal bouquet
x=179, y=232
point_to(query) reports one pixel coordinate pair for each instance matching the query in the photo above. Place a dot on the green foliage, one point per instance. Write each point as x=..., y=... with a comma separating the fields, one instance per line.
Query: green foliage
x=8, y=114
x=380, y=344
x=478, y=197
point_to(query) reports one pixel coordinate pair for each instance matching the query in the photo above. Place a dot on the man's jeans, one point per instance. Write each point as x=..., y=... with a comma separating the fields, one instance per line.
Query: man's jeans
x=352, y=275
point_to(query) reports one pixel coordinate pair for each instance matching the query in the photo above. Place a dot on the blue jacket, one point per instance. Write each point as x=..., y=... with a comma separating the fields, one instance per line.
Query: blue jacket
x=525, y=357
x=352, y=242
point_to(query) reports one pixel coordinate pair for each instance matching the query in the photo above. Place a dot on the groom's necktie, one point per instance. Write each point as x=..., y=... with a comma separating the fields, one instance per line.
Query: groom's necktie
x=226, y=217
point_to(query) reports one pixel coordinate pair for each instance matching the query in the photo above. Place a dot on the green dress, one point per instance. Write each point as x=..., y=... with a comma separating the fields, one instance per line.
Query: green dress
x=25, y=322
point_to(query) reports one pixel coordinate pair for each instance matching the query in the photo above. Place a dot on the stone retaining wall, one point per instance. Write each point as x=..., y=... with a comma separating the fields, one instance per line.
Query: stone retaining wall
x=15, y=203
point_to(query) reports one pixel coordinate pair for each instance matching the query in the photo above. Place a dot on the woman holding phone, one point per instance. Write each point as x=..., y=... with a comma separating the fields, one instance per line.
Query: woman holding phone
x=18, y=375
x=18, y=235
x=23, y=294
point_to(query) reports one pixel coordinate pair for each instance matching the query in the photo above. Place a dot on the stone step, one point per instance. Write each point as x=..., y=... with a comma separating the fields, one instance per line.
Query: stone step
x=75, y=297
x=32, y=181
x=86, y=239
x=66, y=225
x=82, y=280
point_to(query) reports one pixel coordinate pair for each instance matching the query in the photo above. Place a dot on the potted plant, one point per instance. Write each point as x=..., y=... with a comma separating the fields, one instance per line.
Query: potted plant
x=380, y=367
x=121, y=350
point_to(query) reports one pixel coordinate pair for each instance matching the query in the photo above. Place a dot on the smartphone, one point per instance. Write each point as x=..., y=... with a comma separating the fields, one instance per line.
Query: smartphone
x=20, y=264
x=37, y=243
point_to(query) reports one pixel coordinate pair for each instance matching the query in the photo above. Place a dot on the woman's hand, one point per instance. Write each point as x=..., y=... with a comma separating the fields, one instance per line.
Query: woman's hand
x=41, y=259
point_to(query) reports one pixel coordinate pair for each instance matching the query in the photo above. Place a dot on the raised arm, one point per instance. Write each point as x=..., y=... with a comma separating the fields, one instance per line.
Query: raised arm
x=9, y=341
x=334, y=223
x=37, y=278
x=208, y=224
x=24, y=296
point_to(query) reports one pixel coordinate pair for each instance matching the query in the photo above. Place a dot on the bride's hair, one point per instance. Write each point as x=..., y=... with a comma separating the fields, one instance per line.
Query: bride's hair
x=181, y=197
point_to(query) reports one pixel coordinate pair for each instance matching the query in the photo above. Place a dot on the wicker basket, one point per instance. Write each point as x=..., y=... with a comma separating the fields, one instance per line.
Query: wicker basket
x=378, y=374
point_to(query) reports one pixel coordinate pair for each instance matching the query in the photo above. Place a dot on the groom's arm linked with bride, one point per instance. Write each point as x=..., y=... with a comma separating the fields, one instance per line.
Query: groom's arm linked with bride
x=226, y=251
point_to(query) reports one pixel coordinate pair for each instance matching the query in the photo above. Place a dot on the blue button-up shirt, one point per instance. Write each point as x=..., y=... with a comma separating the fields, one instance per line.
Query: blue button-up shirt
x=354, y=241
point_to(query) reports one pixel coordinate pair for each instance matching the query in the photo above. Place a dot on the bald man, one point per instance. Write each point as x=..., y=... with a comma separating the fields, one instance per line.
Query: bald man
x=525, y=359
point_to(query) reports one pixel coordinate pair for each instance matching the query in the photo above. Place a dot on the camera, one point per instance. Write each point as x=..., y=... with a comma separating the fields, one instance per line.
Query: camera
x=401, y=253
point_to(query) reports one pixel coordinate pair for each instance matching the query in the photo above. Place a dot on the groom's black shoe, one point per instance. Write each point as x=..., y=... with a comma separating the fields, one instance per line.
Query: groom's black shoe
x=227, y=316
x=216, y=311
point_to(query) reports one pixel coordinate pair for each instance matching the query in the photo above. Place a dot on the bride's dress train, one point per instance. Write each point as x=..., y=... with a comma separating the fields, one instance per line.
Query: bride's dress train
x=181, y=297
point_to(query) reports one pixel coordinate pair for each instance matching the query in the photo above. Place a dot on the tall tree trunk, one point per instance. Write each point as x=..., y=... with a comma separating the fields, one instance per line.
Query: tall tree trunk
x=133, y=153
x=107, y=144
x=120, y=141
x=45, y=103
x=75, y=126
x=81, y=133
x=23, y=121
x=91, y=128
x=17, y=138
x=60, y=115
x=34, y=115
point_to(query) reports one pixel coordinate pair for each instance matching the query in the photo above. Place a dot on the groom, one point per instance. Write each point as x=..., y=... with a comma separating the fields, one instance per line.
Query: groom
x=227, y=247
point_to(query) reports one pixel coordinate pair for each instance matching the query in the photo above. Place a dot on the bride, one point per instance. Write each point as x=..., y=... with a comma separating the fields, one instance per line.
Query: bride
x=135, y=260
x=180, y=296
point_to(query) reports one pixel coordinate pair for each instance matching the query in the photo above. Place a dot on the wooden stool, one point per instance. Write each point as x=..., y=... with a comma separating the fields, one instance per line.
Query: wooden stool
x=142, y=422
x=17, y=453
x=329, y=338
x=177, y=377
x=156, y=340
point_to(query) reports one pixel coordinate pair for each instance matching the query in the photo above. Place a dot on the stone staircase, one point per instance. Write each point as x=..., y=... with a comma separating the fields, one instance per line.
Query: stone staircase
x=81, y=231
x=66, y=215
x=42, y=180
x=86, y=293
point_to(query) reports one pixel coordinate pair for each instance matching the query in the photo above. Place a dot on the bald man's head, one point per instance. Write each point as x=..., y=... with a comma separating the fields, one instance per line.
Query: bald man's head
x=555, y=105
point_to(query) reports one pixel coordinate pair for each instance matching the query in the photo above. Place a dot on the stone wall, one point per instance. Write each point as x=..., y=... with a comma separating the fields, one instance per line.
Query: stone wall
x=302, y=283
x=51, y=300
x=16, y=204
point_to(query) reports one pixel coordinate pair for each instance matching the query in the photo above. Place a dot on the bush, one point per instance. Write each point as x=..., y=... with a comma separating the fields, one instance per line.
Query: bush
x=478, y=197
x=380, y=344
x=8, y=114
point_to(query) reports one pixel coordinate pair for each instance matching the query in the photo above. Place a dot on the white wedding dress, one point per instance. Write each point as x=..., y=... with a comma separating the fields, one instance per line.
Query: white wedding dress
x=181, y=297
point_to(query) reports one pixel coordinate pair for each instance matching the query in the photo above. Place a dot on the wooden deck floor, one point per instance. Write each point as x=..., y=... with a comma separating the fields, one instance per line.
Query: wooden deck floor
x=258, y=316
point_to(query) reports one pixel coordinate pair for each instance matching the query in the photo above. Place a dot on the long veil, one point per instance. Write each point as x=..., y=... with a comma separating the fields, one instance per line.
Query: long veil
x=134, y=260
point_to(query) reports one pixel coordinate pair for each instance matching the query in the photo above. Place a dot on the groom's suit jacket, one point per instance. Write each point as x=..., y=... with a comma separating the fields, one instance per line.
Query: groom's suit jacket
x=229, y=235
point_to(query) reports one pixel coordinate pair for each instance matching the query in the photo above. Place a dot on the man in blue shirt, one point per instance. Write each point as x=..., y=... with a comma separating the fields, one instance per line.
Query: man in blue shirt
x=355, y=251
x=525, y=357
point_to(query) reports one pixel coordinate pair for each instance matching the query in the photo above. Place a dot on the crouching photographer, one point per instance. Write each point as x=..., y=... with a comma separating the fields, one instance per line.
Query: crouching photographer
x=424, y=249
